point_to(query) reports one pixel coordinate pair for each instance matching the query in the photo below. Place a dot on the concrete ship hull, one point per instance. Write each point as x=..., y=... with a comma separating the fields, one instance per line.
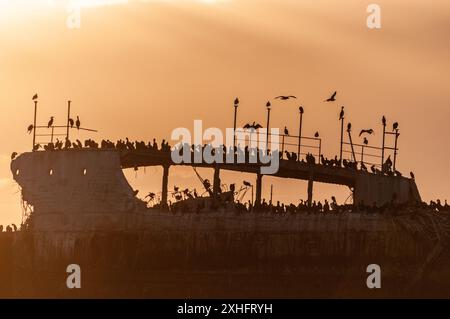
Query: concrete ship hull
x=85, y=213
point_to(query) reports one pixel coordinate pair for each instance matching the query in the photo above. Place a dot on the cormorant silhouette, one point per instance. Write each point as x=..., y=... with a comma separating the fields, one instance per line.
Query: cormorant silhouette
x=30, y=128
x=236, y=101
x=369, y=131
x=78, y=123
x=286, y=131
x=254, y=126
x=71, y=123
x=14, y=227
x=285, y=97
x=13, y=155
x=394, y=126
x=316, y=135
x=383, y=120
x=1, y=228
x=247, y=184
x=412, y=175
x=36, y=147
x=349, y=127
x=301, y=109
x=35, y=97
x=341, y=115
x=332, y=98
x=366, y=141
x=50, y=123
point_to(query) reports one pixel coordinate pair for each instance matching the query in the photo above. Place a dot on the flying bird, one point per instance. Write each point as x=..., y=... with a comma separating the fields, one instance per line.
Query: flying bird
x=332, y=98
x=247, y=184
x=50, y=123
x=394, y=126
x=35, y=97
x=285, y=97
x=30, y=128
x=369, y=131
x=286, y=131
x=78, y=123
x=341, y=115
x=71, y=123
x=13, y=155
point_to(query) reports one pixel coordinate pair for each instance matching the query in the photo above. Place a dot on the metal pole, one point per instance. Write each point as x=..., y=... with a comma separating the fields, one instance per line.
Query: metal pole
x=395, y=147
x=382, y=148
x=351, y=144
x=268, y=126
x=236, y=103
x=300, y=133
x=320, y=149
x=342, y=141
x=34, y=127
x=282, y=146
x=53, y=129
x=68, y=117
x=271, y=194
x=362, y=153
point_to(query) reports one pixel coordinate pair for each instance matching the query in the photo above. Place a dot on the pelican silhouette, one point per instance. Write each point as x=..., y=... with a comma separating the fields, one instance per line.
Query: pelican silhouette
x=394, y=126
x=332, y=98
x=369, y=131
x=35, y=97
x=78, y=123
x=285, y=97
x=30, y=128
x=341, y=115
x=50, y=123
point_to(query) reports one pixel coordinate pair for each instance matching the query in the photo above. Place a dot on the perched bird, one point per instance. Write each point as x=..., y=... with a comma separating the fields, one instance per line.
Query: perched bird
x=13, y=155
x=394, y=126
x=247, y=184
x=1, y=228
x=383, y=120
x=372, y=168
x=349, y=127
x=369, y=131
x=316, y=135
x=236, y=101
x=366, y=141
x=176, y=189
x=285, y=97
x=341, y=115
x=135, y=193
x=151, y=196
x=301, y=110
x=50, y=123
x=71, y=123
x=397, y=173
x=286, y=131
x=332, y=98
x=412, y=175
x=78, y=123
x=36, y=147
x=14, y=227
x=35, y=97
x=30, y=128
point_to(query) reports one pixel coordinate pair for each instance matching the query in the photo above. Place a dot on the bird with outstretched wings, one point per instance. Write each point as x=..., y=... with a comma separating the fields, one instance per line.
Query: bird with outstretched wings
x=285, y=97
x=332, y=98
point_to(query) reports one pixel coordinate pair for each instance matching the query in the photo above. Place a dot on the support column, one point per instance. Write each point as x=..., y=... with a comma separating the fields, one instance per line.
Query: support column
x=258, y=190
x=216, y=182
x=310, y=189
x=165, y=183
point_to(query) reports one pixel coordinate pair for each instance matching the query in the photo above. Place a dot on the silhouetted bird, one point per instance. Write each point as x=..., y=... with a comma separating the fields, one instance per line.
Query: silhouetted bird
x=397, y=173
x=236, y=101
x=366, y=141
x=285, y=97
x=8, y=229
x=13, y=155
x=254, y=126
x=35, y=97
x=247, y=184
x=78, y=123
x=50, y=123
x=1, y=228
x=135, y=193
x=316, y=135
x=286, y=131
x=341, y=115
x=412, y=175
x=150, y=196
x=373, y=169
x=71, y=123
x=394, y=126
x=36, y=147
x=301, y=109
x=80, y=145
x=14, y=227
x=369, y=131
x=349, y=127
x=383, y=120
x=332, y=98
x=30, y=128
x=176, y=189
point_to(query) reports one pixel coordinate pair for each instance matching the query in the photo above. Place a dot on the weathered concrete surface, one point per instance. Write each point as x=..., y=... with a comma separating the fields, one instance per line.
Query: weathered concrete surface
x=127, y=250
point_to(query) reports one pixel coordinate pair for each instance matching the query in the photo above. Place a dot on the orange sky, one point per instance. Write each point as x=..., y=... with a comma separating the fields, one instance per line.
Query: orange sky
x=143, y=69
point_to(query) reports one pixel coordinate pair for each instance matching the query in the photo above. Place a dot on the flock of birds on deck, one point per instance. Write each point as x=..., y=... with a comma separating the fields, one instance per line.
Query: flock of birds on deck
x=9, y=229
